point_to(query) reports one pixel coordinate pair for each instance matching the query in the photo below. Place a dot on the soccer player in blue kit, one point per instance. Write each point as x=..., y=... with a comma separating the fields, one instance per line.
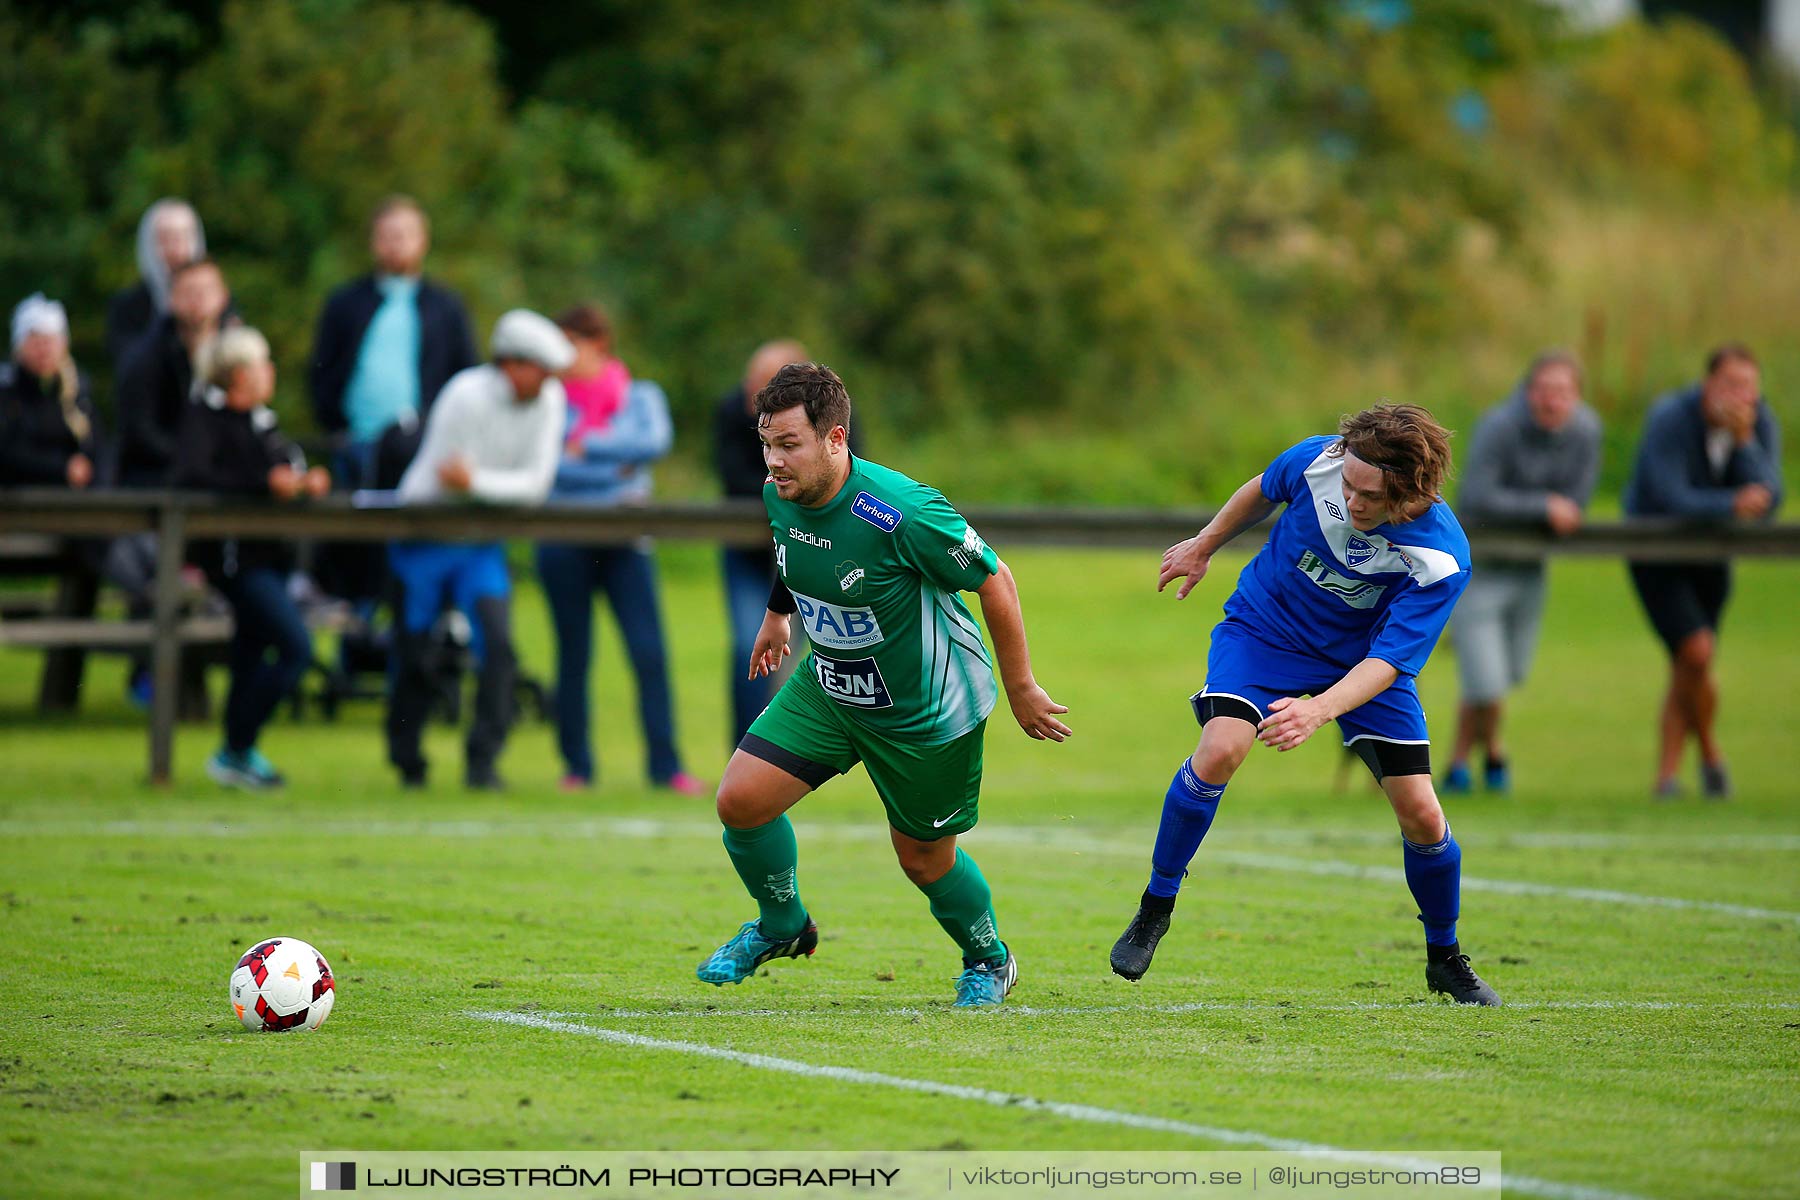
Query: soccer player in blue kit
x=1331, y=620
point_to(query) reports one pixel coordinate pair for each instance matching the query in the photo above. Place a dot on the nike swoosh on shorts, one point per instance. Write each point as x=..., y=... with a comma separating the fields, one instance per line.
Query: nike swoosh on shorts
x=941, y=823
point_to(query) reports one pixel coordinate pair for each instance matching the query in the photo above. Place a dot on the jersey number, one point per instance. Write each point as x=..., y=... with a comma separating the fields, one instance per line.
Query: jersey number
x=781, y=557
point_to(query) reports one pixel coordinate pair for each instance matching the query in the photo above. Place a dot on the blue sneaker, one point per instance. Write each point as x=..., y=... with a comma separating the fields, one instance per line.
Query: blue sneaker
x=248, y=770
x=1456, y=779
x=738, y=959
x=985, y=985
x=1496, y=778
x=264, y=770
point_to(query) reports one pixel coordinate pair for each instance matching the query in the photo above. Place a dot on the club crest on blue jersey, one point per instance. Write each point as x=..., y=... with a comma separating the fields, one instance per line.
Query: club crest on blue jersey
x=1357, y=551
x=878, y=513
x=856, y=682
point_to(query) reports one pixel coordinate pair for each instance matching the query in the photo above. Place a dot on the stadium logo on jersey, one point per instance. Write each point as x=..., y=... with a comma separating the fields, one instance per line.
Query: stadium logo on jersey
x=835, y=626
x=800, y=535
x=1334, y=510
x=878, y=513
x=971, y=549
x=1357, y=593
x=850, y=578
x=856, y=683
x=1357, y=551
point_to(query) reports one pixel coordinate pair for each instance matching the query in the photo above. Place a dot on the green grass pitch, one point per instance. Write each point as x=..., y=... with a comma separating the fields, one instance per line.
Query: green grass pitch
x=1649, y=953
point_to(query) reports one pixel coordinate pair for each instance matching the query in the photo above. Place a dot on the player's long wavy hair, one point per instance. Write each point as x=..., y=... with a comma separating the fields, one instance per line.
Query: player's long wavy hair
x=1412, y=450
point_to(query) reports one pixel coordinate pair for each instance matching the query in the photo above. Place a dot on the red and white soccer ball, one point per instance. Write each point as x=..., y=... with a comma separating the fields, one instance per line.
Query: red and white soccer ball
x=281, y=984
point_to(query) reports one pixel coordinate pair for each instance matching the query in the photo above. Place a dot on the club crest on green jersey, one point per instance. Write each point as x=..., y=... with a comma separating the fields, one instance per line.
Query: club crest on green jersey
x=850, y=578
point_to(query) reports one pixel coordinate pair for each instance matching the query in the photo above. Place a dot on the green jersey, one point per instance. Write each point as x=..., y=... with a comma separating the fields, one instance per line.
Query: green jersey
x=876, y=574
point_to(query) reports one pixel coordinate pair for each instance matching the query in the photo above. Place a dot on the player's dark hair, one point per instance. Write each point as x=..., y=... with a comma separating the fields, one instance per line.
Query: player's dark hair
x=1412, y=450
x=813, y=385
x=1729, y=352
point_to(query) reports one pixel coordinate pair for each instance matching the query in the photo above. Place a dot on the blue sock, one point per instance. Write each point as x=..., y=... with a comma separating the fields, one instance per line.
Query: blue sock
x=1434, y=873
x=1187, y=814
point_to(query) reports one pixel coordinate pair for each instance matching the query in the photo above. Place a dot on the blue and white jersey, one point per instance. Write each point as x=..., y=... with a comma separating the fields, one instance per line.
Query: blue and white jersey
x=1321, y=587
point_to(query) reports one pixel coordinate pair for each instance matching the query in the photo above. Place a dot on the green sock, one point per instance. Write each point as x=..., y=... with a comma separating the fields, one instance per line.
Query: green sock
x=963, y=905
x=767, y=860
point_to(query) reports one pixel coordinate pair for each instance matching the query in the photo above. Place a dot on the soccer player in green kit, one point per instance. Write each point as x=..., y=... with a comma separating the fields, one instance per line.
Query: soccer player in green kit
x=897, y=678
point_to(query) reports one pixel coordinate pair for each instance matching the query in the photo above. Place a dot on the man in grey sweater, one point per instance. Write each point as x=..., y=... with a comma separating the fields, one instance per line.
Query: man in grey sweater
x=1710, y=452
x=1533, y=460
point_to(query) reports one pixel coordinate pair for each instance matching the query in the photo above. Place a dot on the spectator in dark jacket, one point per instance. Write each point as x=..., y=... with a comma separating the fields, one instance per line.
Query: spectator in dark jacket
x=230, y=444
x=387, y=342
x=749, y=570
x=1533, y=461
x=168, y=237
x=158, y=379
x=1710, y=451
x=48, y=433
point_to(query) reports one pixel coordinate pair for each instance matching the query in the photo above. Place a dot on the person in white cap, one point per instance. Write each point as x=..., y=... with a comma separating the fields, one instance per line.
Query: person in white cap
x=493, y=435
x=48, y=432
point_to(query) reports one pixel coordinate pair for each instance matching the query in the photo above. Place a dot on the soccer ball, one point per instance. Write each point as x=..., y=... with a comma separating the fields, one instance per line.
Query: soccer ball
x=281, y=984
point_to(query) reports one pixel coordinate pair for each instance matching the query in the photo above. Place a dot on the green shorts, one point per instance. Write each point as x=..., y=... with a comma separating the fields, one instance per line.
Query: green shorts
x=929, y=791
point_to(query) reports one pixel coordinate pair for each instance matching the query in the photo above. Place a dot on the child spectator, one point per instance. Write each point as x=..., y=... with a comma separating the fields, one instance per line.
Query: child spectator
x=230, y=444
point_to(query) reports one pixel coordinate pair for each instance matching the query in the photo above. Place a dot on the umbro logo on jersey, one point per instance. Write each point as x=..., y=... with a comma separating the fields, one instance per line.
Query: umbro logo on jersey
x=878, y=513
x=1334, y=510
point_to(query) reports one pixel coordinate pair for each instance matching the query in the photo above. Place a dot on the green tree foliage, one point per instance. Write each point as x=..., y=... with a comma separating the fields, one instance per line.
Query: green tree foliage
x=984, y=211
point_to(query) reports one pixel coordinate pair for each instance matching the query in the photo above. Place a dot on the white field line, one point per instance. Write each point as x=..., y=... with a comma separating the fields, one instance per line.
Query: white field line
x=1551, y=1189
x=1011, y=1011
x=1068, y=834
x=1067, y=840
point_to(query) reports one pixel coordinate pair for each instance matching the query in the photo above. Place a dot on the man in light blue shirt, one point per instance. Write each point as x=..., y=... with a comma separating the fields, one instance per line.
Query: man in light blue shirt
x=384, y=386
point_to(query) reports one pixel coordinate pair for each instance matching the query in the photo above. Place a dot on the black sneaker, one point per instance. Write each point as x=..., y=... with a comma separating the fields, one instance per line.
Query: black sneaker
x=1455, y=978
x=1715, y=781
x=1132, y=953
x=483, y=779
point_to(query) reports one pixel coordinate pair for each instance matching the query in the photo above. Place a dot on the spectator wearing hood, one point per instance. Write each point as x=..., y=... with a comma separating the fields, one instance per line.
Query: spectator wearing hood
x=231, y=444
x=1534, y=460
x=157, y=381
x=168, y=237
x=387, y=342
x=617, y=427
x=493, y=436
x=48, y=431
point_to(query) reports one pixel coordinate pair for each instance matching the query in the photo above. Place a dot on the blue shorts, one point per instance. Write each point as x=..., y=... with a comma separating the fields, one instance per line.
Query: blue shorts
x=1241, y=666
x=435, y=574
